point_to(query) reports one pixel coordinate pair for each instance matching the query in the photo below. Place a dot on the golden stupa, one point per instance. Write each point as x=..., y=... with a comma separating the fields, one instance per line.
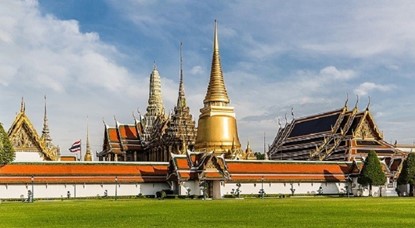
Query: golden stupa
x=217, y=130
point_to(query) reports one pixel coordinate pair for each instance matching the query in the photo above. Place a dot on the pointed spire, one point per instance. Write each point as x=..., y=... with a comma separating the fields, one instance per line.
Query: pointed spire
x=216, y=90
x=181, y=100
x=88, y=148
x=22, y=106
x=88, y=155
x=45, y=131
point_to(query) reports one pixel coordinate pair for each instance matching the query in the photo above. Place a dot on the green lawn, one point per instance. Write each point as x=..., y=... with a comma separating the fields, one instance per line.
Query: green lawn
x=291, y=212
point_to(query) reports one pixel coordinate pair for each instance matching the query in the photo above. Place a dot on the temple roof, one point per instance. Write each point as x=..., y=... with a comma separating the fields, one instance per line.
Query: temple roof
x=123, y=137
x=86, y=172
x=340, y=135
x=25, y=138
x=197, y=166
x=245, y=171
x=207, y=166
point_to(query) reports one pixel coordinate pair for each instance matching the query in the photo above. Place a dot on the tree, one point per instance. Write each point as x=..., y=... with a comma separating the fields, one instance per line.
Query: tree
x=259, y=156
x=372, y=173
x=407, y=175
x=6, y=148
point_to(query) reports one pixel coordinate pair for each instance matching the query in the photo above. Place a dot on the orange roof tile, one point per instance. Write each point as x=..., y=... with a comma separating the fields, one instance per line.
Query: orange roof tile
x=113, y=136
x=288, y=171
x=182, y=163
x=51, y=172
x=128, y=132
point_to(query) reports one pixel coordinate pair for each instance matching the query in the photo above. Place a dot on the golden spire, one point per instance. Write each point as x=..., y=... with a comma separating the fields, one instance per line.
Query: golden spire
x=181, y=100
x=216, y=92
x=88, y=155
x=217, y=130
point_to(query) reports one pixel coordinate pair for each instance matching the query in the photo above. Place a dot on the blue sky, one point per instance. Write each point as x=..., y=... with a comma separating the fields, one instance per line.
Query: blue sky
x=93, y=59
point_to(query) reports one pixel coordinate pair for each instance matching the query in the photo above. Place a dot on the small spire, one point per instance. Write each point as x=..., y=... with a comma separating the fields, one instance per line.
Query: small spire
x=88, y=155
x=45, y=132
x=22, y=106
x=181, y=100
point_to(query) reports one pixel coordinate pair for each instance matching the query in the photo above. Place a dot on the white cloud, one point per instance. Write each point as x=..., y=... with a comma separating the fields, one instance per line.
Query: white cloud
x=367, y=87
x=80, y=74
x=332, y=72
x=197, y=70
x=275, y=56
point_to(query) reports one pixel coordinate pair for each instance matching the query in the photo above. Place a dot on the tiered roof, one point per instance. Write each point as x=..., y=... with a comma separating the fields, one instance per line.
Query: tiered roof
x=123, y=138
x=197, y=166
x=181, y=130
x=339, y=135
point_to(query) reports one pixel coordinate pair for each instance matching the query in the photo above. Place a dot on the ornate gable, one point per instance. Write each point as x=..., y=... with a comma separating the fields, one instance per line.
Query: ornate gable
x=367, y=128
x=24, y=138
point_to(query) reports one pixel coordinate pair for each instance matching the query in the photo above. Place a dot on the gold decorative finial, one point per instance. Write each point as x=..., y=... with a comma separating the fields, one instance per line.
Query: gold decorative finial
x=22, y=106
x=368, y=104
x=347, y=100
x=216, y=90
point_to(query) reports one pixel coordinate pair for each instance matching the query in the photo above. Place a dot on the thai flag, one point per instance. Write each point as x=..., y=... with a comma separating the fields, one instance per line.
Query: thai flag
x=76, y=147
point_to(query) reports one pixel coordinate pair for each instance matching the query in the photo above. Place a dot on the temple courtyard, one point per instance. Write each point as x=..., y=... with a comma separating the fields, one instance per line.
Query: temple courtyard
x=268, y=212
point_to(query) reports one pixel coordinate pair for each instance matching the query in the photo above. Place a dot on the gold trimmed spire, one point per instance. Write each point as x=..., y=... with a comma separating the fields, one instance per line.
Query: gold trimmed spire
x=216, y=92
x=88, y=155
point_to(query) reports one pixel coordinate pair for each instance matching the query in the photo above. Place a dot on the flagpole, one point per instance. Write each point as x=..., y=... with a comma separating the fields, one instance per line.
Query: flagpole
x=80, y=151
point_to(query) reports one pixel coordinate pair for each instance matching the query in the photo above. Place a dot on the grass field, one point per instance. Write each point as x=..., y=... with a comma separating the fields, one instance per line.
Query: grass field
x=291, y=212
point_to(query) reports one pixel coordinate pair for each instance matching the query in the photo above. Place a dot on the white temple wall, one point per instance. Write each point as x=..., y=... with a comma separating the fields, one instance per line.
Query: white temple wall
x=50, y=191
x=193, y=186
x=22, y=156
x=311, y=188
